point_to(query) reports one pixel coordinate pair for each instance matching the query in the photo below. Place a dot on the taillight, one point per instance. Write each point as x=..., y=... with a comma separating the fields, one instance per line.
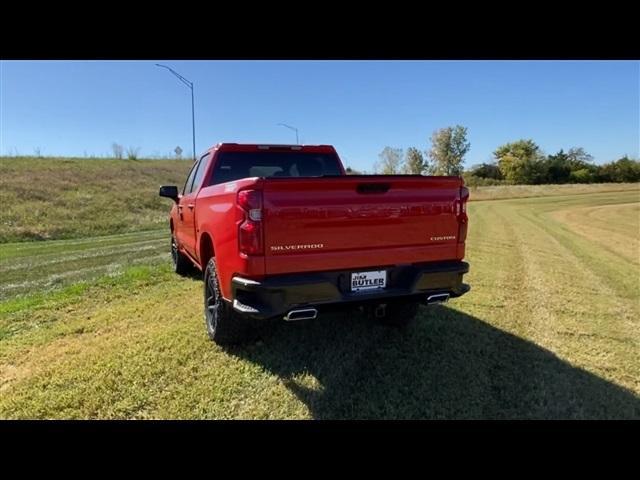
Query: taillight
x=251, y=202
x=461, y=212
x=464, y=198
x=250, y=230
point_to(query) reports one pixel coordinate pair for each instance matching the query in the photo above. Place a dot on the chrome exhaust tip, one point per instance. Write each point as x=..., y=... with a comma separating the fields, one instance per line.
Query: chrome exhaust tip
x=301, y=314
x=438, y=298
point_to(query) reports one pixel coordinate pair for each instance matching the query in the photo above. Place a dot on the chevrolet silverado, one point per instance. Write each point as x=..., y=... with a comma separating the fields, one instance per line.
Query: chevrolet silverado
x=281, y=231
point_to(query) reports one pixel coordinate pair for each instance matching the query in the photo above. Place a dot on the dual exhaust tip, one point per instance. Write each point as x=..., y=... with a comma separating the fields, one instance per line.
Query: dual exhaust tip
x=312, y=313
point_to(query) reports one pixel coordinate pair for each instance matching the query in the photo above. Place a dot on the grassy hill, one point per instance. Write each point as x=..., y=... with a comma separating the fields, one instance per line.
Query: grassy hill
x=54, y=198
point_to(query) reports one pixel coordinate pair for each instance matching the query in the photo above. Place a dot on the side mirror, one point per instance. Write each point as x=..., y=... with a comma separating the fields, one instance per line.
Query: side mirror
x=169, y=191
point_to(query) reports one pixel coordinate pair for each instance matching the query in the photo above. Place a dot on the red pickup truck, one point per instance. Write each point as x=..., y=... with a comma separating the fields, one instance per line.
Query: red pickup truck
x=280, y=231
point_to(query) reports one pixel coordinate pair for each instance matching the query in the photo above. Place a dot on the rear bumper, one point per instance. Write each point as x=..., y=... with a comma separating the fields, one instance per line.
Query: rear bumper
x=277, y=295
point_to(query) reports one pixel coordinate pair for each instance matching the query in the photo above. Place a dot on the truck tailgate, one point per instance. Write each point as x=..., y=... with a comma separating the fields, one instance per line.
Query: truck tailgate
x=330, y=223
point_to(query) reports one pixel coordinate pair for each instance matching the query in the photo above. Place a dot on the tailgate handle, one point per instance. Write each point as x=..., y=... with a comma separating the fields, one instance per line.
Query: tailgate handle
x=373, y=187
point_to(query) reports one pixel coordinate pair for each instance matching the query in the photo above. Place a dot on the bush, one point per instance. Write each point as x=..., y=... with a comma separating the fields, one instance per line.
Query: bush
x=620, y=171
x=132, y=153
x=472, y=180
x=584, y=175
x=487, y=170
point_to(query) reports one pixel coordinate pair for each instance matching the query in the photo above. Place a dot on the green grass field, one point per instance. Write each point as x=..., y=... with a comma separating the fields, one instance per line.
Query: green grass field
x=53, y=198
x=100, y=328
x=506, y=192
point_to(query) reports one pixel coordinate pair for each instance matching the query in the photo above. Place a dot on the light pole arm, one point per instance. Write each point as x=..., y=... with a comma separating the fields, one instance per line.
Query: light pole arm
x=291, y=128
x=193, y=115
x=180, y=77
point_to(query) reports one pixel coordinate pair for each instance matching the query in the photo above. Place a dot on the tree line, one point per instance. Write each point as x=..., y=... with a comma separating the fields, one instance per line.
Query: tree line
x=445, y=157
x=518, y=162
x=522, y=162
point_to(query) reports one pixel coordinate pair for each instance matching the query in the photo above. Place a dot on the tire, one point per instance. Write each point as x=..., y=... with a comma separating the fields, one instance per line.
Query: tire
x=224, y=325
x=398, y=314
x=181, y=264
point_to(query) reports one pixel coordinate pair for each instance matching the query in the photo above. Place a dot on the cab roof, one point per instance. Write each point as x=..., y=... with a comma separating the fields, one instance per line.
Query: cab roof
x=256, y=147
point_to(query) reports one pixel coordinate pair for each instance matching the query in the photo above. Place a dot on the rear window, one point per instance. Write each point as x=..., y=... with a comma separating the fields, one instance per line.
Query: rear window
x=236, y=165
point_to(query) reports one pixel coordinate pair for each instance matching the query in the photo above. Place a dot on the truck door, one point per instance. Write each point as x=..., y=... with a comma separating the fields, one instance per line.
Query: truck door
x=180, y=225
x=188, y=203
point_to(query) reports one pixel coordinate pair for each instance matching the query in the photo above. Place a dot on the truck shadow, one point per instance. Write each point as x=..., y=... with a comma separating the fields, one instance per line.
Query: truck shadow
x=447, y=365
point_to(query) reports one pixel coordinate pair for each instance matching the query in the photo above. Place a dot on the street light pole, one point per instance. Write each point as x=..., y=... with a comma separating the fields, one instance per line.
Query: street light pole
x=193, y=125
x=193, y=115
x=291, y=128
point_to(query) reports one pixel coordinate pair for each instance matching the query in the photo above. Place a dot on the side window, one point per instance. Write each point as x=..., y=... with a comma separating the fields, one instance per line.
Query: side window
x=197, y=180
x=187, y=184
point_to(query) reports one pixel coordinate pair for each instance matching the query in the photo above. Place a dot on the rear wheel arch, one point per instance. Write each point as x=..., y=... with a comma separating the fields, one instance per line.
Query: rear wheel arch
x=206, y=250
x=224, y=324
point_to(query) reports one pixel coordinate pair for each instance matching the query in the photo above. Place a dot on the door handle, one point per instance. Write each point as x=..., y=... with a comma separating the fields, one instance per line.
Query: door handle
x=180, y=207
x=191, y=205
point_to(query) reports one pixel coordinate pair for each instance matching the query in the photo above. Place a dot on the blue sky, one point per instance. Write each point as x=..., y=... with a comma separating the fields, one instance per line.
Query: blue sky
x=73, y=108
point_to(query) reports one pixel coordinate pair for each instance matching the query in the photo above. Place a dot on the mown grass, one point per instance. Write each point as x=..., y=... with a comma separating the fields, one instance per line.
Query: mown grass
x=27, y=267
x=550, y=330
x=503, y=192
x=53, y=198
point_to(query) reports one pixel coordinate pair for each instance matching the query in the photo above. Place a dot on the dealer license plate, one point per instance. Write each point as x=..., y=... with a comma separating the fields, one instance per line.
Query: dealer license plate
x=361, y=281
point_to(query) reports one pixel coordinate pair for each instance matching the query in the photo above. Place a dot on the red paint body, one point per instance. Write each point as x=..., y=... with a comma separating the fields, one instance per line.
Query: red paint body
x=319, y=224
